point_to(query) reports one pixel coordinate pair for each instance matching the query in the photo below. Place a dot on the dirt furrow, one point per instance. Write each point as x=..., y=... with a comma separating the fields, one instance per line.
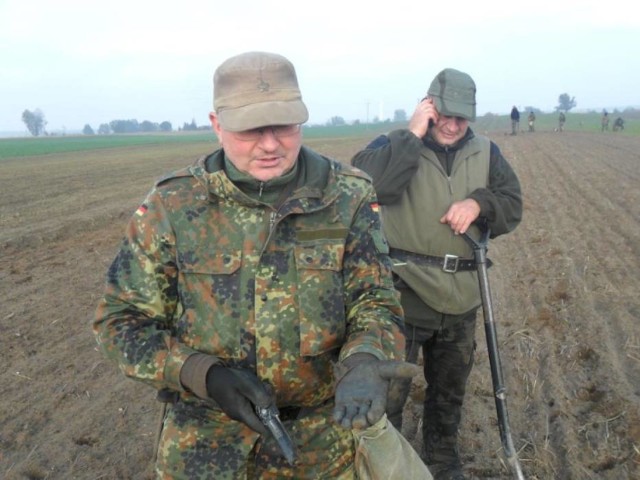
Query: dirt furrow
x=574, y=332
x=565, y=296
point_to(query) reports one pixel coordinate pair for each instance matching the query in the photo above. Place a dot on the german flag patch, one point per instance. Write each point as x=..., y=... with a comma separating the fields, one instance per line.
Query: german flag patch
x=375, y=207
x=142, y=209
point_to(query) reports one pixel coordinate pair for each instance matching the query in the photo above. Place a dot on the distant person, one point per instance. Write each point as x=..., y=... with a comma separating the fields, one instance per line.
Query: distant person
x=618, y=124
x=247, y=280
x=515, y=120
x=561, y=120
x=435, y=180
x=605, y=121
x=531, y=119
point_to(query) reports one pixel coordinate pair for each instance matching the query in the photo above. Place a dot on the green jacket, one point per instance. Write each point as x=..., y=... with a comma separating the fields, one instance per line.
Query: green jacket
x=203, y=268
x=416, y=182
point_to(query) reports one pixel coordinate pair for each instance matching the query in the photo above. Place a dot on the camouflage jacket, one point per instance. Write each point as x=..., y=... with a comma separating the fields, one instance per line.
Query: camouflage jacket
x=203, y=268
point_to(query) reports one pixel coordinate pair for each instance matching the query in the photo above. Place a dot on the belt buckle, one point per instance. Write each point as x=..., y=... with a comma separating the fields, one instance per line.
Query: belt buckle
x=450, y=264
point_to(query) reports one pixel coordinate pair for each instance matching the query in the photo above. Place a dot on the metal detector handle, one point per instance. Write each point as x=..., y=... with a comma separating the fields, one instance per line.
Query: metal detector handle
x=482, y=242
x=500, y=396
x=481, y=245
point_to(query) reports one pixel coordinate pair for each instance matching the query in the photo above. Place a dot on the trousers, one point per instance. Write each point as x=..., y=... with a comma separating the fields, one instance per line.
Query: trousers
x=448, y=344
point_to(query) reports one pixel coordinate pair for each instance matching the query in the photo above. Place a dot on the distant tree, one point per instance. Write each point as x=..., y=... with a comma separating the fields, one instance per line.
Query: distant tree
x=565, y=102
x=34, y=121
x=147, y=126
x=104, y=129
x=166, y=126
x=400, y=115
x=535, y=110
x=87, y=130
x=336, y=121
x=190, y=126
x=124, y=126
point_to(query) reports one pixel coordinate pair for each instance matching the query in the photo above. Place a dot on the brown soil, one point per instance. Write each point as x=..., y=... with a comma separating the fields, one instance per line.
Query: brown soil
x=565, y=297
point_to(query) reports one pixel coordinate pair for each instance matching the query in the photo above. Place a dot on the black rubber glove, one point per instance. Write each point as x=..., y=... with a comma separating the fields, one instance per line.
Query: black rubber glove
x=362, y=386
x=237, y=392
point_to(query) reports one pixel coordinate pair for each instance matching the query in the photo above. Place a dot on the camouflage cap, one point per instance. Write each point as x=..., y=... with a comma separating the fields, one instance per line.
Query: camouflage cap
x=454, y=94
x=256, y=89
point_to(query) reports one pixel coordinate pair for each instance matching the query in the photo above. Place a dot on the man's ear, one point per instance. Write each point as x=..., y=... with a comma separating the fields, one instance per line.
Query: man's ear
x=215, y=125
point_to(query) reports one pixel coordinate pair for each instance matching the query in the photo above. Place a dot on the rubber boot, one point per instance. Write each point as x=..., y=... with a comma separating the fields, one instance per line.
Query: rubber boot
x=441, y=455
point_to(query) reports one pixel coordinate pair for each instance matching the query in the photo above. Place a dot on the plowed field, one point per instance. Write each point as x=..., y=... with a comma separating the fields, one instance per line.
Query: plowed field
x=565, y=290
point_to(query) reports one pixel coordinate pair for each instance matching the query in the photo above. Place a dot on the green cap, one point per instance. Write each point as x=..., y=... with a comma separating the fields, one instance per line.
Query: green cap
x=454, y=94
x=256, y=89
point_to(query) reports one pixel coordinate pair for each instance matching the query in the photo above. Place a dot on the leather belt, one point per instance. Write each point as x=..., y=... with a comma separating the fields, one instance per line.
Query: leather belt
x=448, y=263
x=289, y=413
x=293, y=412
x=286, y=413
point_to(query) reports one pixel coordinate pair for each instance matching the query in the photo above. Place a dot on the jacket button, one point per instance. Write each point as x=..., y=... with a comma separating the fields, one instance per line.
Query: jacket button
x=263, y=297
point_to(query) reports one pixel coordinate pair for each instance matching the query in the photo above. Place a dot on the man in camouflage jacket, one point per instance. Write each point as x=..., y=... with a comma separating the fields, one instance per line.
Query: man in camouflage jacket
x=243, y=280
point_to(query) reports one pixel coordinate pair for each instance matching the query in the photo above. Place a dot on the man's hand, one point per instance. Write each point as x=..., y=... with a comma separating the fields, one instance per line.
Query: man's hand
x=238, y=392
x=461, y=214
x=424, y=112
x=361, y=392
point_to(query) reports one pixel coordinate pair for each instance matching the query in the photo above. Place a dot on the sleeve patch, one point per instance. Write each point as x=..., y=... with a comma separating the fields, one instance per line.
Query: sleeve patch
x=142, y=209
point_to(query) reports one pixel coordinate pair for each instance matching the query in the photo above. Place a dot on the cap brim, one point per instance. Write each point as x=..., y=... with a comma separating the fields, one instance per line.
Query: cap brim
x=263, y=114
x=454, y=109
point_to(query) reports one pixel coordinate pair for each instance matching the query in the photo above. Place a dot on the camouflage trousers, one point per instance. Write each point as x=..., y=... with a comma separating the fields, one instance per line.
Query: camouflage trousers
x=200, y=443
x=448, y=349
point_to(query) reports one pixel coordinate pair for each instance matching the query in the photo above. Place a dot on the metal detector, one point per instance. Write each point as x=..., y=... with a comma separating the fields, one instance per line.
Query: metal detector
x=499, y=390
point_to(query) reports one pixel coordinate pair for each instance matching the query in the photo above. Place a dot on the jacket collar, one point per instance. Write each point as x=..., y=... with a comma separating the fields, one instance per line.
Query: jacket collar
x=316, y=187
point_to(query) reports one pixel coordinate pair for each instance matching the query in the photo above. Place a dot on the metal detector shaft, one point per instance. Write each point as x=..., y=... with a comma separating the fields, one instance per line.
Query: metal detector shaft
x=499, y=389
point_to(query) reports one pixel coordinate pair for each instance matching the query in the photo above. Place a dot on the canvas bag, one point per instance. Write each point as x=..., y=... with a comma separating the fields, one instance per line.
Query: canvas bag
x=382, y=453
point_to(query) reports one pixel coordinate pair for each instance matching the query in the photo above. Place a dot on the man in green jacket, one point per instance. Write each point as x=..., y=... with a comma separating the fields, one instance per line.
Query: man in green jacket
x=436, y=180
x=243, y=280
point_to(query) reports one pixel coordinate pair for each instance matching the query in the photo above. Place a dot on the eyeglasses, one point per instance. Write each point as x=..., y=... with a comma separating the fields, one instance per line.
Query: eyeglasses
x=279, y=131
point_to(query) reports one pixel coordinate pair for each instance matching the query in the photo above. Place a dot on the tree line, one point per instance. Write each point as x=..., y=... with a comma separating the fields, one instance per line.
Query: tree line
x=36, y=123
x=128, y=126
x=133, y=126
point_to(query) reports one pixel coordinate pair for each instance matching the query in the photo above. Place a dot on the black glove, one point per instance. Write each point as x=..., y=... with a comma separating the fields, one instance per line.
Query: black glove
x=237, y=392
x=362, y=385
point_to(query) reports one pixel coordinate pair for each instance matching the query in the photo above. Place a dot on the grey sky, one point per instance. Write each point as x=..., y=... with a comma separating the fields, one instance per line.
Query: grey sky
x=92, y=62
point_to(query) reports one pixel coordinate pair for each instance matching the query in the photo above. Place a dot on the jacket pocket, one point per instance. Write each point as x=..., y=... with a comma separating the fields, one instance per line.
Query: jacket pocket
x=210, y=294
x=320, y=296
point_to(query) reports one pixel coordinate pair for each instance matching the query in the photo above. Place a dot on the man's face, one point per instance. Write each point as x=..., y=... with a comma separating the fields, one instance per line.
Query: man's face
x=448, y=130
x=263, y=153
